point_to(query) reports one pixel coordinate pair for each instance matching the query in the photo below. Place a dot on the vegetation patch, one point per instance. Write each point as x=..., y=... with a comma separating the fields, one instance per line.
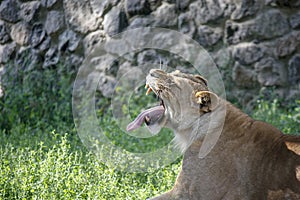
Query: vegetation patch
x=41, y=156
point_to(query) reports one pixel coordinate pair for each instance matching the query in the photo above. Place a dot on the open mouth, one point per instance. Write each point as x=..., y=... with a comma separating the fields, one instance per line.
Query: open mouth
x=150, y=116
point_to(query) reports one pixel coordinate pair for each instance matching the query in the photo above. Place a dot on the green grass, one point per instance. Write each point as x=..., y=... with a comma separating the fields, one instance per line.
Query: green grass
x=57, y=166
x=41, y=156
x=287, y=119
x=60, y=172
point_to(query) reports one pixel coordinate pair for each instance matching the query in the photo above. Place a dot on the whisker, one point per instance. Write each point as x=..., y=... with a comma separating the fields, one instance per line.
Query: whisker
x=160, y=66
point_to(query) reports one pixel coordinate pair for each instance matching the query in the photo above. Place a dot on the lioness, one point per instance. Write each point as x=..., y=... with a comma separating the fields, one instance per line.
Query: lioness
x=251, y=160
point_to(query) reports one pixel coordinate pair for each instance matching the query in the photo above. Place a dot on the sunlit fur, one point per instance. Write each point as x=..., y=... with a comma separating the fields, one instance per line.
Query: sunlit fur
x=251, y=159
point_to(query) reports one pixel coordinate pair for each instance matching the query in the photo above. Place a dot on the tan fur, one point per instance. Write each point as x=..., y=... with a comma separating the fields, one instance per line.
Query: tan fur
x=251, y=160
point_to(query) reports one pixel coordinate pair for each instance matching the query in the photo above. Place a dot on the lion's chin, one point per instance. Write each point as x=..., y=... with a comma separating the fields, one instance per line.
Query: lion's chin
x=155, y=128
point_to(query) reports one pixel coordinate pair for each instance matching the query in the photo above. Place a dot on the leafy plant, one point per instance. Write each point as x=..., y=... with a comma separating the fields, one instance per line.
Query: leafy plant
x=284, y=118
x=60, y=172
x=35, y=98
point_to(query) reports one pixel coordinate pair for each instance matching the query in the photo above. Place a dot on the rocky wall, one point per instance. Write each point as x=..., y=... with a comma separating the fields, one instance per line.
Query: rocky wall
x=255, y=43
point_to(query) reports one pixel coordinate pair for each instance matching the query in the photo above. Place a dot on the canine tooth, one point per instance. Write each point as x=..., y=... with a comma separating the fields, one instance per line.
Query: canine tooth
x=148, y=91
x=147, y=119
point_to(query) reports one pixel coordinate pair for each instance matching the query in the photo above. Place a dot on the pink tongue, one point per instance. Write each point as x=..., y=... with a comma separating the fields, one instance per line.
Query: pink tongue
x=153, y=114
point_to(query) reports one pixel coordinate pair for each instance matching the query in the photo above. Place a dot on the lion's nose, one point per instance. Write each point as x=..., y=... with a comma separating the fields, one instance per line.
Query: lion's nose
x=157, y=73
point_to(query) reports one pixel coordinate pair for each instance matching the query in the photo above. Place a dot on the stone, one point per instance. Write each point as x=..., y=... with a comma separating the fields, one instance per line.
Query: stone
x=228, y=6
x=170, y=1
x=267, y=25
x=43, y=3
x=79, y=15
x=236, y=32
x=51, y=57
x=20, y=33
x=186, y=25
x=119, y=45
x=4, y=34
x=29, y=11
x=125, y=68
x=154, y=4
x=270, y=2
x=9, y=11
x=45, y=44
x=130, y=76
x=182, y=5
x=68, y=40
x=270, y=24
x=73, y=62
x=140, y=22
x=283, y=3
x=246, y=8
x=115, y=21
x=106, y=85
x=100, y=7
x=205, y=11
x=152, y=59
x=208, y=36
x=295, y=21
x=6, y=52
x=102, y=63
x=93, y=40
x=51, y=3
x=137, y=7
x=165, y=15
x=223, y=59
x=271, y=72
x=243, y=76
x=38, y=34
x=147, y=56
x=294, y=69
x=55, y=22
x=247, y=53
x=113, y=68
x=22, y=1
x=285, y=45
x=114, y=2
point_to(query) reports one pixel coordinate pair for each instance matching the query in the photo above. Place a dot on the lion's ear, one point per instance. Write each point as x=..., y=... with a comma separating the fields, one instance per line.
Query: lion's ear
x=207, y=100
x=293, y=146
x=292, y=142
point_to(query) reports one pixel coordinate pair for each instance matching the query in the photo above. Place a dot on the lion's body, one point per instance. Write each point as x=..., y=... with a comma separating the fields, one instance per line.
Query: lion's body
x=250, y=159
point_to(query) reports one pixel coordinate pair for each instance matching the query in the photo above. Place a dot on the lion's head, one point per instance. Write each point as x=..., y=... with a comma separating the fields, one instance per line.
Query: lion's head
x=184, y=99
